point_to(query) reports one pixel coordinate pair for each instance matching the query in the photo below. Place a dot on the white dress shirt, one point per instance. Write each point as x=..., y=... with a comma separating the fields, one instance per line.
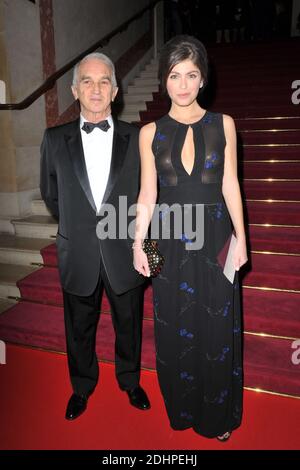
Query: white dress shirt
x=97, y=147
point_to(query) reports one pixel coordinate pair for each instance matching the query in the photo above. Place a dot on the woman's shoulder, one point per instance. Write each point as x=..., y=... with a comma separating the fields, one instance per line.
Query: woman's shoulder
x=227, y=119
x=228, y=123
x=148, y=131
x=215, y=114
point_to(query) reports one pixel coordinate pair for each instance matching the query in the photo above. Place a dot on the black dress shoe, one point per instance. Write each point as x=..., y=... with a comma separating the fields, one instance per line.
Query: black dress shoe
x=76, y=406
x=138, y=398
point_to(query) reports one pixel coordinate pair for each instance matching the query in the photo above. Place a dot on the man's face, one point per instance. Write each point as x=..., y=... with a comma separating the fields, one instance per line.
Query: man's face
x=94, y=89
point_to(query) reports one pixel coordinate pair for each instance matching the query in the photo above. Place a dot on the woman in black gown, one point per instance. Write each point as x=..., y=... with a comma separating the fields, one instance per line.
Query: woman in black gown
x=188, y=158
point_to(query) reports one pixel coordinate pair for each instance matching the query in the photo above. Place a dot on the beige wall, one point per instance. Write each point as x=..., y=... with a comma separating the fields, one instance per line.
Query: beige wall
x=20, y=131
x=77, y=25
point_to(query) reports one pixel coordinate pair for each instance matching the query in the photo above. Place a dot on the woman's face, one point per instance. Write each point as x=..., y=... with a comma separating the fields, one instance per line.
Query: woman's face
x=183, y=83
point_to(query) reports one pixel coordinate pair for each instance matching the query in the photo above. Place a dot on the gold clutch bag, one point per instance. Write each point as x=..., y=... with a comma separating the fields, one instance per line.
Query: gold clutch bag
x=154, y=256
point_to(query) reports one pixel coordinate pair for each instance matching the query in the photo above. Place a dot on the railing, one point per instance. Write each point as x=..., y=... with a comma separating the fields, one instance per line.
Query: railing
x=50, y=81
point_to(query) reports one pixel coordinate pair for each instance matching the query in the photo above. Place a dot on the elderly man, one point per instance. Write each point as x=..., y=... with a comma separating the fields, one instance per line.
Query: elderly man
x=84, y=164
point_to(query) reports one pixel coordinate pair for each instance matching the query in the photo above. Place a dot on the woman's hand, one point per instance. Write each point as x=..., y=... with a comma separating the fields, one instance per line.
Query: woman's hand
x=140, y=261
x=240, y=254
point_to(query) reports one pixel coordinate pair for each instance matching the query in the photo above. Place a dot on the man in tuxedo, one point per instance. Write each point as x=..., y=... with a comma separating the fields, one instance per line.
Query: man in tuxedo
x=85, y=164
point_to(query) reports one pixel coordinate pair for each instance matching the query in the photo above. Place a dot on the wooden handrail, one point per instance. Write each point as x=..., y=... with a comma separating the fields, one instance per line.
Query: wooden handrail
x=50, y=81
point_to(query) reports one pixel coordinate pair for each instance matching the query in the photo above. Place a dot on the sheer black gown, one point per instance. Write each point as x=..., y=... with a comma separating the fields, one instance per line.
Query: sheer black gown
x=196, y=308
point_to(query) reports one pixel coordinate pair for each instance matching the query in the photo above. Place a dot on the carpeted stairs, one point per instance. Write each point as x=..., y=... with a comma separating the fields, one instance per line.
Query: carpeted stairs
x=254, y=86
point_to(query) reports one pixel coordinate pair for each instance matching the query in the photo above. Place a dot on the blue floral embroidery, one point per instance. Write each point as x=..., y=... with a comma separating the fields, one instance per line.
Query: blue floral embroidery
x=160, y=136
x=163, y=213
x=216, y=210
x=222, y=396
x=219, y=210
x=208, y=165
x=162, y=180
x=220, y=357
x=185, y=239
x=211, y=160
x=225, y=350
x=184, y=286
x=186, y=376
x=219, y=399
x=208, y=118
x=237, y=371
x=226, y=309
x=184, y=332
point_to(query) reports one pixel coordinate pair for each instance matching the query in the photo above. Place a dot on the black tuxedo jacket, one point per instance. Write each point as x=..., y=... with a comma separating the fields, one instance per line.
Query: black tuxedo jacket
x=66, y=191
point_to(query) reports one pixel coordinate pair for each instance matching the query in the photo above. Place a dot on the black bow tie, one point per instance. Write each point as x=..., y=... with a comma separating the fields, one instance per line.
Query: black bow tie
x=90, y=126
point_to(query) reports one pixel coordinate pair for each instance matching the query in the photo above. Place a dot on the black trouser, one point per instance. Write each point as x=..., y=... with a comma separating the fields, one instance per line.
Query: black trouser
x=81, y=320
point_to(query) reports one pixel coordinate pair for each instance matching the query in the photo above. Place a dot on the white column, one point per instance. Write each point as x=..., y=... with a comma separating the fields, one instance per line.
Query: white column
x=2, y=92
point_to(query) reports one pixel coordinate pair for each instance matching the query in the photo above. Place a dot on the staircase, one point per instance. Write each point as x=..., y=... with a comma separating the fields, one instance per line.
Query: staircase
x=257, y=93
x=139, y=92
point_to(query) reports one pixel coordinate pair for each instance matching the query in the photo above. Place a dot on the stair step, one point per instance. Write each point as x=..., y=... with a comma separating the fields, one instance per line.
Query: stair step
x=271, y=152
x=277, y=213
x=36, y=226
x=21, y=250
x=284, y=190
x=271, y=169
x=10, y=274
x=138, y=89
x=271, y=312
x=273, y=271
x=129, y=117
x=135, y=107
x=43, y=326
x=280, y=136
x=148, y=74
x=151, y=68
x=262, y=313
x=136, y=98
x=275, y=239
x=268, y=123
x=6, y=304
x=146, y=82
x=268, y=365
x=38, y=207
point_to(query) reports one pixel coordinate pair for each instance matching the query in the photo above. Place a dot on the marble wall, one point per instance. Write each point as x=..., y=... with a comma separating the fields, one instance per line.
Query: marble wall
x=20, y=131
x=79, y=24
x=35, y=40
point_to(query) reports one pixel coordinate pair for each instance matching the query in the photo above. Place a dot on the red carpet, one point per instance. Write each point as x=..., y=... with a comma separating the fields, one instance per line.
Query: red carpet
x=42, y=326
x=35, y=389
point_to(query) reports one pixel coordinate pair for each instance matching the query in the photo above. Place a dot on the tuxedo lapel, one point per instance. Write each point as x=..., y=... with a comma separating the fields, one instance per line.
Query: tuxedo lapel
x=119, y=150
x=74, y=144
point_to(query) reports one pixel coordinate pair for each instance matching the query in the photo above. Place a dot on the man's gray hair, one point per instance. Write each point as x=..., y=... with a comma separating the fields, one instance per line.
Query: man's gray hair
x=103, y=58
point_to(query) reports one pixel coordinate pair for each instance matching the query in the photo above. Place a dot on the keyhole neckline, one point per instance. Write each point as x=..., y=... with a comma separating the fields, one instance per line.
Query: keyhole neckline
x=190, y=123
